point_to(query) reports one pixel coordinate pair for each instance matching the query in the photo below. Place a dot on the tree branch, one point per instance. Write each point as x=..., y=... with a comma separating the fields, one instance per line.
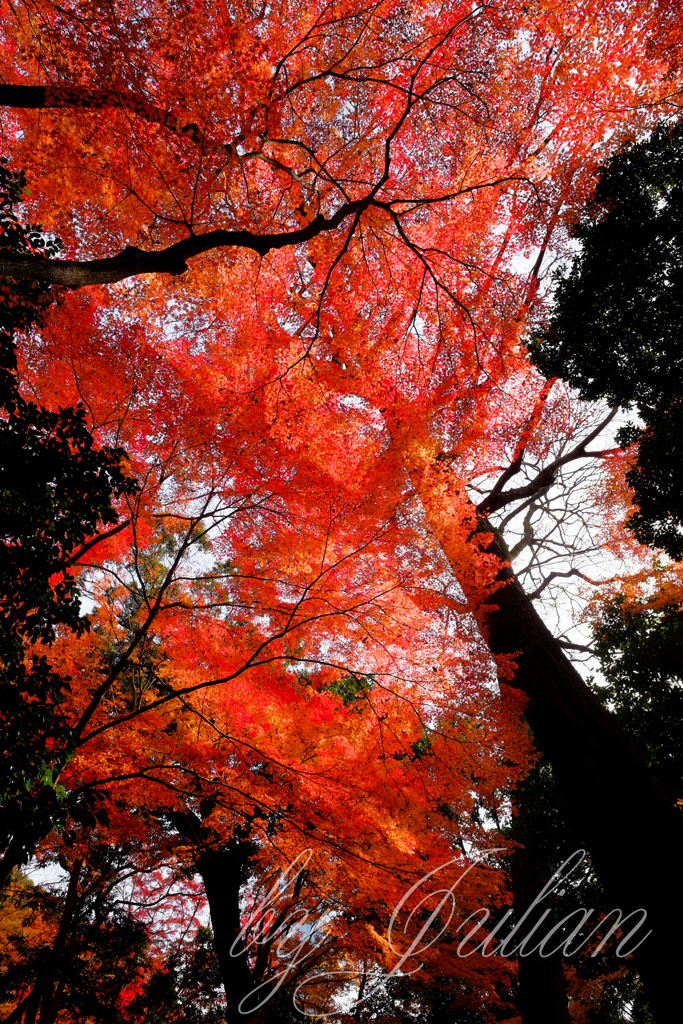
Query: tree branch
x=567, y=645
x=557, y=575
x=543, y=480
x=50, y=97
x=172, y=260
x=73, y=559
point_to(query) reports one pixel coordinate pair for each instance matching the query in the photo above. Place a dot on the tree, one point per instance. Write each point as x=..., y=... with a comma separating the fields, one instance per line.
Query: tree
x=640, y=658
x=89, y=955
x=333, y=155
x=56, y=490
x=183, y=987
x=242, y=719
x=613, y=334
x=615, y=328
x=578, y=737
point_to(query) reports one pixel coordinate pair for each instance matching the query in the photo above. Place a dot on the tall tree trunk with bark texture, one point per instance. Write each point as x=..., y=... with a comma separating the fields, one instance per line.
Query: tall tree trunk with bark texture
x=631, y=830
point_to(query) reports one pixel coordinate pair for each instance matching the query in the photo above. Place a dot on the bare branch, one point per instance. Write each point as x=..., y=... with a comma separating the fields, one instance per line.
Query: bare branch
x=556, y=575
x=498, y=499
x=569, y=646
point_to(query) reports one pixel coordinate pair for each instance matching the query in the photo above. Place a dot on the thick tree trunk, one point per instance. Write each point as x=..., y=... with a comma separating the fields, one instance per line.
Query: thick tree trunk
x=632, y=831
x=223, y=873
x=541, y=988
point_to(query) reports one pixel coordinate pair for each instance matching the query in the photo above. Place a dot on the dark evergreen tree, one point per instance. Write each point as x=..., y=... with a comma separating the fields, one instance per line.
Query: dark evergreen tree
x=641, y=656
x=56, y=490
x=617, y=323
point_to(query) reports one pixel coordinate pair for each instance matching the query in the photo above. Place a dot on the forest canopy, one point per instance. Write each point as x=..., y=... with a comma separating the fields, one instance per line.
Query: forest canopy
x=308, y=552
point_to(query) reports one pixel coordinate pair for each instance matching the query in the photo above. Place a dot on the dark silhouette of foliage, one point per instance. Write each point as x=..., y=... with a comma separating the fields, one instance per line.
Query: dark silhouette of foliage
x=103, y=950
x=616, y=328
x=186, y=987
x=56, y=490
x=641, y=655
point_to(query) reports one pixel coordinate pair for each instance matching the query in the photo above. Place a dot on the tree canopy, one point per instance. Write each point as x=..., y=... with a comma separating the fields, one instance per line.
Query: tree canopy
x=302, y=248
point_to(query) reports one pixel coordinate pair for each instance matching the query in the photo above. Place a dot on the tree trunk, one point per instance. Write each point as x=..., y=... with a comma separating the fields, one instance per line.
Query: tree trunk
x=222, y=872
x=541, y=987
x=632, y=831
x=42, y=996
x=11, y=859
